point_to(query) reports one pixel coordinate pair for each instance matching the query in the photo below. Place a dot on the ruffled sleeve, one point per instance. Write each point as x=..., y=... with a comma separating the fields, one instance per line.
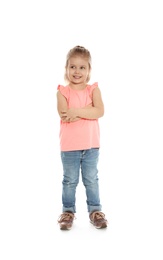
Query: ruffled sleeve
x=95, y=85
x=64, y=90
x=92, y=87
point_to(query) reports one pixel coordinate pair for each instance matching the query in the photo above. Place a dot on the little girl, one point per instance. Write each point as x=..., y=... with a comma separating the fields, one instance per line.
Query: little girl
x=79, y=106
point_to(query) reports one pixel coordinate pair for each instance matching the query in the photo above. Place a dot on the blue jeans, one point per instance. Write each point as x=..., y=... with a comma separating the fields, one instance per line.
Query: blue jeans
x=74, y=162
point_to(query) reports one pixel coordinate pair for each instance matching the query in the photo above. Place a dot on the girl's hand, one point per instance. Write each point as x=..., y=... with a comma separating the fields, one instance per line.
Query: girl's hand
x=70, y=115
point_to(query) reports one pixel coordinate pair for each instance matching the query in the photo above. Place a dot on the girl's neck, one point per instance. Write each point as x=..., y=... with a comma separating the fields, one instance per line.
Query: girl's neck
x=77, y=86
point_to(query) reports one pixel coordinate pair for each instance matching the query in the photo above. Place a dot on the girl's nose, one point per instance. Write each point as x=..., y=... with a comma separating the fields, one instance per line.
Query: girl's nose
x=77, y=70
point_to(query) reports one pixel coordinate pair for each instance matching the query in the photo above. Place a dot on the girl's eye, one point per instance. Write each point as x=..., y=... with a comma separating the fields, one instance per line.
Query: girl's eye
x=72, y=67
x=82, y=68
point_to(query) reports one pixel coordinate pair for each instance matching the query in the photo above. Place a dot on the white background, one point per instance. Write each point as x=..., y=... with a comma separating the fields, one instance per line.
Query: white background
x=125, y=39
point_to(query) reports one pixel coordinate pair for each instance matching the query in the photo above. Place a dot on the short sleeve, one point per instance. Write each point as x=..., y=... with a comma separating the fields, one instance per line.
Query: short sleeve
x=64, y=90
x=92, y=87
x=95, y=85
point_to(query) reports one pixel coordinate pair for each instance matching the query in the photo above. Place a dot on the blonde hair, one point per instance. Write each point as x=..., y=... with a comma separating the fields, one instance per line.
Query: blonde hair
x=78, y=51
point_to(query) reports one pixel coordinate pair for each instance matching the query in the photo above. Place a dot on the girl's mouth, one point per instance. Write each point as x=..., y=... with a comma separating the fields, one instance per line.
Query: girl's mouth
x=77, y=77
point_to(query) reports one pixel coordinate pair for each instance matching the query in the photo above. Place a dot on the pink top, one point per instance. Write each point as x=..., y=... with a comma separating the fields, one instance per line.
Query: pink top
x=85, y=133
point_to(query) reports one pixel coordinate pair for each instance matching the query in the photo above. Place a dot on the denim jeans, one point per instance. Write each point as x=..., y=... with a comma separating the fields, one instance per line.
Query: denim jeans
x=74, y=163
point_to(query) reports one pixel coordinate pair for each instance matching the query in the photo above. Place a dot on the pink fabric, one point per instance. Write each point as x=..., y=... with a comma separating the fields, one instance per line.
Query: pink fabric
x=83, y=134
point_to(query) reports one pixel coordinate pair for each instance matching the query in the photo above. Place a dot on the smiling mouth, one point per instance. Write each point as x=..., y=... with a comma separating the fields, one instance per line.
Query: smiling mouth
x=76, y=77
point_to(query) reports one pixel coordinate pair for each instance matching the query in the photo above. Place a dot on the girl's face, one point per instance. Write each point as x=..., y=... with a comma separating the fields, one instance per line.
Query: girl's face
x=78, y=70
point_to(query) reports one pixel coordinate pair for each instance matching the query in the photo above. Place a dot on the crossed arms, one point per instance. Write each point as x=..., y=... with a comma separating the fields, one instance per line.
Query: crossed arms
x=92, y=111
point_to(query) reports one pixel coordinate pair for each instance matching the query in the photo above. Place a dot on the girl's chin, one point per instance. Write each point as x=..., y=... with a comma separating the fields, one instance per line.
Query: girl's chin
x=74, y=79
x=77, y=81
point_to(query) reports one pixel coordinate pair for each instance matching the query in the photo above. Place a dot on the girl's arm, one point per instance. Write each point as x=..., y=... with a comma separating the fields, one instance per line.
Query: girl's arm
x=94, y=111
x=61, y=103
x=62, y=106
